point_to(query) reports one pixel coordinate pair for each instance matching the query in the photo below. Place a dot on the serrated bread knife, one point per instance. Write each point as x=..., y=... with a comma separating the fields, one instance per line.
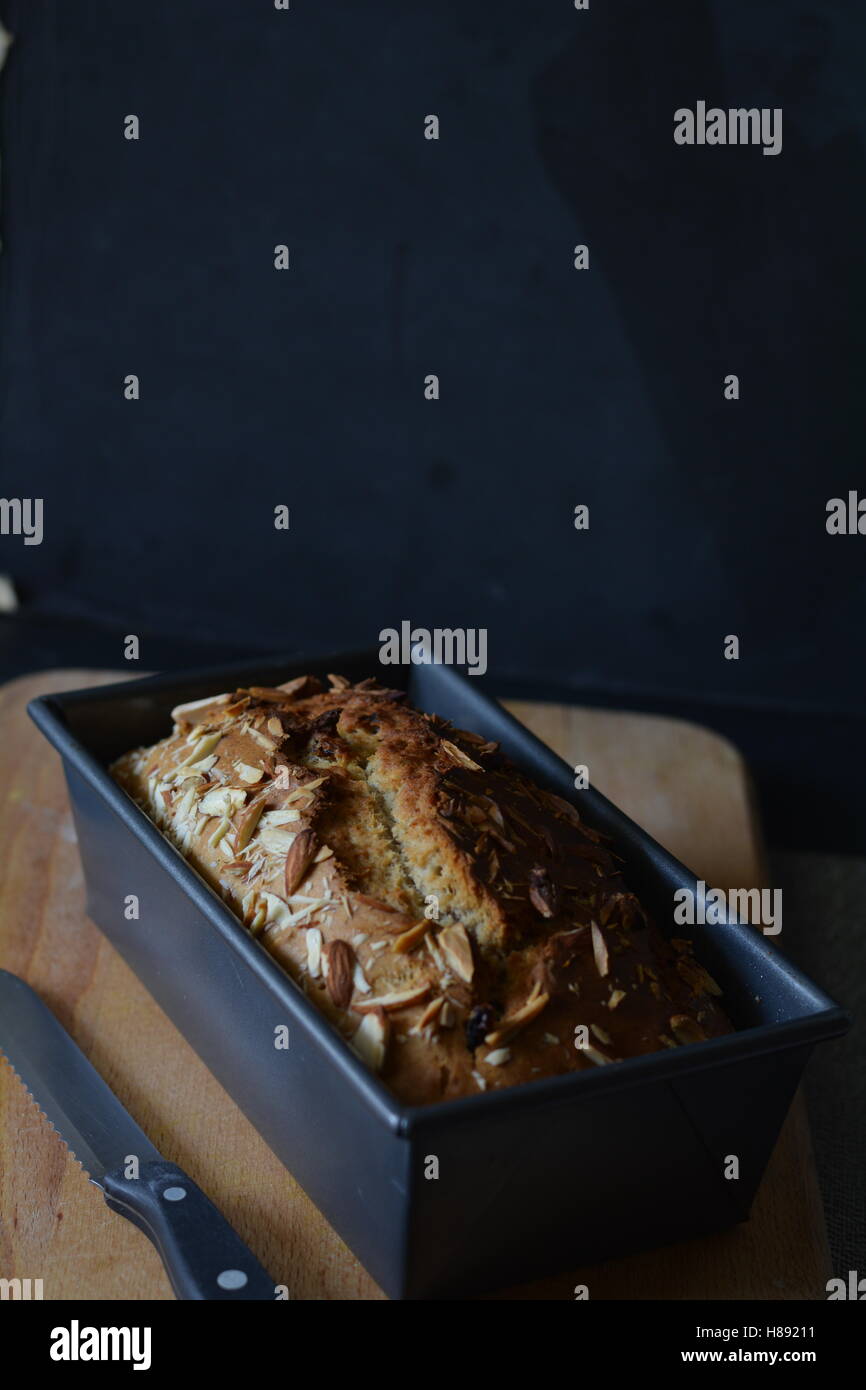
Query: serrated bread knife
x=203, y=1256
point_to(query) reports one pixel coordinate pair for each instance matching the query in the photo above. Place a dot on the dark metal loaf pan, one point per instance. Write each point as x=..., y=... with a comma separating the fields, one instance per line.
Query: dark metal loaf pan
x=534, y=1179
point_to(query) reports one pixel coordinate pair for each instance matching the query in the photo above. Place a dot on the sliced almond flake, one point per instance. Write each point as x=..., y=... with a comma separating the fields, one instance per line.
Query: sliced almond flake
x=247, y=825
x=314, y=951
x=616, y=997
x=275, y=841
x=292, y=687
x=221, y=801
x=275, y=727
x=194, y=769
x=435, y=953
x=602, y=1036
x=324, y=853
x=248, y=773
x=191, y=705
x=448, y=1016
x=378, y=945
x=410, y=938
x=482, y=1084
x=224, y=825
x=457, y=949
x=278, y=913
x=594, y=1055
x=433, y=1008
x=186, y=803
x=668, y=1042
x=255, y=912
x=201, y=748
x=599, y=949
x=359, y=938
x=371, y=1039
x=458, y=756
x=498, y=1057
x=511, y=1025
x=549, y=1038
x=263, y=740
x=283, y=816
x=398, y=999
x=360, y=981
x=686, y=1030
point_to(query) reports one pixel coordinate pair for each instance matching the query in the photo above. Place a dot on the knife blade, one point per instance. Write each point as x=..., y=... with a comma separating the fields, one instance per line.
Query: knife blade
x=203, y=1256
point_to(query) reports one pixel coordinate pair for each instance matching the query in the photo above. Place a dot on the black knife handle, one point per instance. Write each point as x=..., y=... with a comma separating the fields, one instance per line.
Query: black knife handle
x=204, y=1258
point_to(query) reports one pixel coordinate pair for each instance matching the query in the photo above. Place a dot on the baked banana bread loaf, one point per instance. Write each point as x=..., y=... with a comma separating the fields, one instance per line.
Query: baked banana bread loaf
x=462, y=928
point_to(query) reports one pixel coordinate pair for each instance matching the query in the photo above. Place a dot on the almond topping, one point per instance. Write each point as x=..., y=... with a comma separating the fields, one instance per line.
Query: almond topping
x=542, y=891
x=433, y=1008
x=371, y=1039
x=458, y=756
x=457, y=949
x=339, y=682
x=511, y=1026
x=247, y=824
x=314, y=951
x=341, y=968
x=599, y=950
x=224, y=825
x=267, y=693
x=221, y=801
x=299, y=860
x=616, y=997
x=400, y=999
x=498, y=1058
x=201, y=749
x=360, y=981
x=180, y=711
x=324, y=853
x=291, y=688
x=594, y=1055
x=685, y=1030
x=410, y=938
x=248, y=773
x=263, y=740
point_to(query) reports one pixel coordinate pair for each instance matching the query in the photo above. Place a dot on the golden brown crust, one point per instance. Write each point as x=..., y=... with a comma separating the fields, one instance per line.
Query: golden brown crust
x=460, y=926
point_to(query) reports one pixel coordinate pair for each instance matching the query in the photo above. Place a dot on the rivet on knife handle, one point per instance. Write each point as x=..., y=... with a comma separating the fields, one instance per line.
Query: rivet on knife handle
x=203, y=1256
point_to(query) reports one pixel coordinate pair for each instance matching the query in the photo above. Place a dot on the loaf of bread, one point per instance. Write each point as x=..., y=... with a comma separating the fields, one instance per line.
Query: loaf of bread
x=462, y=928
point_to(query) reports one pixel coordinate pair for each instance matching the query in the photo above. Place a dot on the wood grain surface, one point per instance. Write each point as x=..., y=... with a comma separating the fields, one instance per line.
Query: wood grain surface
x=686, y=785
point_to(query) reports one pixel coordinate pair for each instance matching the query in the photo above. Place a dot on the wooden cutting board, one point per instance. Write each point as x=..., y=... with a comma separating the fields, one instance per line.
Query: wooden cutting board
x=55, y=1226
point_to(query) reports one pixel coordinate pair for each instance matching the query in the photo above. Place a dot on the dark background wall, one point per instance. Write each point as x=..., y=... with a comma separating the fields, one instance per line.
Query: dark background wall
x=409, y=256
